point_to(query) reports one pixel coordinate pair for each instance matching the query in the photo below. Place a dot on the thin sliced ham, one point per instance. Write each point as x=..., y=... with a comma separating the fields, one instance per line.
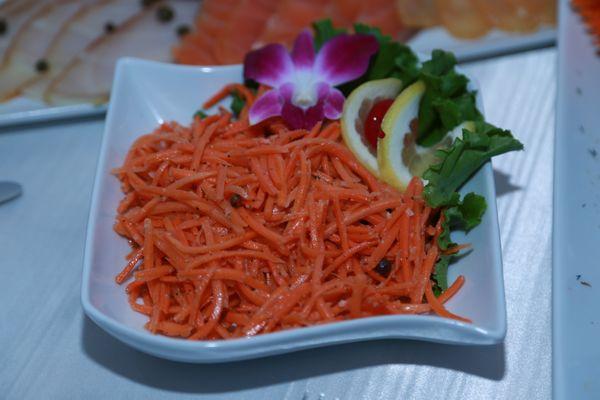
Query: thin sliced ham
x=88, y=25
x=89, y=76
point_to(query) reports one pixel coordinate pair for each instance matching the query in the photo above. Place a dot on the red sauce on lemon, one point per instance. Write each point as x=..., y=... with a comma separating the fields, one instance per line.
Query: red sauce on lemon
x=373, y=122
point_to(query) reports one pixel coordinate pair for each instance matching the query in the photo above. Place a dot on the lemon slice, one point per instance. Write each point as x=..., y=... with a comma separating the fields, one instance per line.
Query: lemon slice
x=399, y=157
x=356, y=109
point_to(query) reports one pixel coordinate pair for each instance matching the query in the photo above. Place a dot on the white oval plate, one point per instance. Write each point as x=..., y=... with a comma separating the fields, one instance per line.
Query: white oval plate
x=146, y=94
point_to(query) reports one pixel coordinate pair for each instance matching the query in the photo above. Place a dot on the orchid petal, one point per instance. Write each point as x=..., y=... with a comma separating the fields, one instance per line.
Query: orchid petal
x=313, y=115
x=287, y=91
x=266, y=106
x=345, y=57
x=297, y=118
x=334, y=104
x=270, y=65
x=303, y=53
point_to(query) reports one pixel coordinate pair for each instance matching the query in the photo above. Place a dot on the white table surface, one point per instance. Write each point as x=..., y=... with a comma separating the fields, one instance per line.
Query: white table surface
x=50, y=350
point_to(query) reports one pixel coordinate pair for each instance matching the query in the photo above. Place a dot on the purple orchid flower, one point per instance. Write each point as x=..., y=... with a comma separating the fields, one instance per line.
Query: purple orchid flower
x=304, y=82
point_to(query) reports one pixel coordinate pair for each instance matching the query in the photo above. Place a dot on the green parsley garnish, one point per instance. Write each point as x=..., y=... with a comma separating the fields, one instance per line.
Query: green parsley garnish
x=237, y=103
x=440, y=275
x=392, y=60
x=447, y=102
x=200, y=114
x=324, y=30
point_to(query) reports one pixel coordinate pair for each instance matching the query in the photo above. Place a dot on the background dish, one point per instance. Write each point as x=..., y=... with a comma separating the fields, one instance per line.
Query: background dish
x=25, y=110
x=576, y=276
x=148, y=93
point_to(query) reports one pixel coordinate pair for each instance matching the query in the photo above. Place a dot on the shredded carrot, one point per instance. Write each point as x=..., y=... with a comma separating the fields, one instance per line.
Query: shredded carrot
x=239, y=230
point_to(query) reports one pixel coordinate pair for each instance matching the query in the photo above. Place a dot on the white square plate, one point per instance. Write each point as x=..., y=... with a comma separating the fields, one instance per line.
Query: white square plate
x=146, y=94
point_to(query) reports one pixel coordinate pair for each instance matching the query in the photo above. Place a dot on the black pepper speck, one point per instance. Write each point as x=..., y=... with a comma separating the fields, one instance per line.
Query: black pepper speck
x=236, y=200
x=109, y=27
x=182, y=30
x=42, y=66
x=165, y=14
x=384, y=267
x=148, y=3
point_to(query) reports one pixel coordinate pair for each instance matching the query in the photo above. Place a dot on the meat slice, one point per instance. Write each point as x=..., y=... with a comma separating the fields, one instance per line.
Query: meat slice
x=463, y=18
x=14, y=14
x=378, y=13
x=198, y=48
x=227, y=29
x=89, y=76
x=93, y=21
x=292, y=16
x=242, y=29
x=24, y=56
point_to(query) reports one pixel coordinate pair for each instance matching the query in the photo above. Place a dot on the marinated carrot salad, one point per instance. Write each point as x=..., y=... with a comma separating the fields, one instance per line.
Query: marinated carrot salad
x=284, y=211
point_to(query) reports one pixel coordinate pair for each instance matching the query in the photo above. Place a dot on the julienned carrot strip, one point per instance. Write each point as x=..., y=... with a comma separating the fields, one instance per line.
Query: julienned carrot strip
x=203, y=141
x=388, y=238
x=227, y=274
x=342, y=229
x=126, y=202
x=452, y=290
x=234, y=241
x=263, y=179
x=219, y=293
x=355, y=301
x=220, y=191
x=287, y=304
x=225, y=254
x=239, y=230
x=438, y=307
x=131, y=264
x=210, y=210
x=190, y=177
x=260, y=229
x=259, y=151
x=153, y=273
x=364, y=212
x=344, y=257
x=422, y=275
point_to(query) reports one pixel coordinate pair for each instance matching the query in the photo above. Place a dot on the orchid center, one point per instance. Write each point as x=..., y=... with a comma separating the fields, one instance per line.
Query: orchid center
x=305, y=97
x=305, y=91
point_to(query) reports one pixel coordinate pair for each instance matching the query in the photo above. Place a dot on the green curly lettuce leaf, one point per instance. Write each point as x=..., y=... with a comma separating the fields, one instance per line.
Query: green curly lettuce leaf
x=462, y=159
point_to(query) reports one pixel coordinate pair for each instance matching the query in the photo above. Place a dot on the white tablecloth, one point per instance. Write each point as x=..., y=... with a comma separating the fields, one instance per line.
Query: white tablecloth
x=50, y=350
